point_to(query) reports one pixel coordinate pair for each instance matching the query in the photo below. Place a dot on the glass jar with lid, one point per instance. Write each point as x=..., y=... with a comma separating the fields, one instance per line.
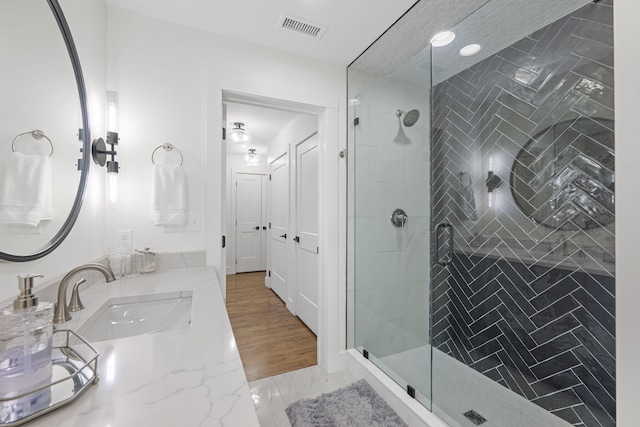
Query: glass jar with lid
x=146, y=260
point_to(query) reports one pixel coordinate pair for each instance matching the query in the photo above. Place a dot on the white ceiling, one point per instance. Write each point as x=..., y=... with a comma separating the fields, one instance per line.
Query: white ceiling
x=262, y=123
x=360, y=22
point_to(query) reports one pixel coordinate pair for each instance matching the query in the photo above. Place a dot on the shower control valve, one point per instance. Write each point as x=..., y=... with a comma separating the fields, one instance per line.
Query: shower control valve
x=399, y=218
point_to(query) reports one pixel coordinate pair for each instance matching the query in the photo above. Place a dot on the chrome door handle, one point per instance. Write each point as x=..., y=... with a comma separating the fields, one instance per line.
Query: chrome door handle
x=284, y=236
x=447, y=258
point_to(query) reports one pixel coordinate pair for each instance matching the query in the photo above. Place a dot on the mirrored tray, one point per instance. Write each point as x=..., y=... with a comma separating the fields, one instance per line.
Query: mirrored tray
x=75, y=368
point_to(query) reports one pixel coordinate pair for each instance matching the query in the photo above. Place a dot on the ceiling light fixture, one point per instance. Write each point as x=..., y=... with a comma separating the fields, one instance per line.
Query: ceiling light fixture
x=252, y=158
x=469, y=50
x=238, y=135
x=443, y=38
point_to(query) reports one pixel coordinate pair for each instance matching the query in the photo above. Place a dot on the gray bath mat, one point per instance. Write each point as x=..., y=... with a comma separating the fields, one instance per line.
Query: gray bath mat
x=357, y=405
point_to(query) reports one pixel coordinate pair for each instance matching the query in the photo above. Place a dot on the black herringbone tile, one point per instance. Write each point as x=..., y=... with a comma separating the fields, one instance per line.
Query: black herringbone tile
x=546, y=333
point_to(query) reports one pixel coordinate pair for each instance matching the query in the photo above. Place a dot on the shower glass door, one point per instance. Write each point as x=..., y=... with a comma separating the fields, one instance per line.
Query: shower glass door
x=390, y=222
x=523, y=328
x=482, y=213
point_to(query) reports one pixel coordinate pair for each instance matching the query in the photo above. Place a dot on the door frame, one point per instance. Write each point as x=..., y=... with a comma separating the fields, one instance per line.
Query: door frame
x=332, y=197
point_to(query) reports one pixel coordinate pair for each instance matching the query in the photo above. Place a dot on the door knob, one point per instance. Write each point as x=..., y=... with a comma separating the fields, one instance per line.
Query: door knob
x=284, y=236
x=257, y=227
x=264, y=227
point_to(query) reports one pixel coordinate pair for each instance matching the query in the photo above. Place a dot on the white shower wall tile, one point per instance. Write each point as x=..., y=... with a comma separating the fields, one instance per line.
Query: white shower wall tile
x=392, y=301
x=391, y=164
x=417, y=254
x=392, y=337
x=366, y=255
x=366, y=324
x=390, y=197
x=392, y=238
x=419, y=137
x=416, y=322
x=417, y=183
x=387, y=129
x=367, y=299
x=390, y=268
x=365, y=181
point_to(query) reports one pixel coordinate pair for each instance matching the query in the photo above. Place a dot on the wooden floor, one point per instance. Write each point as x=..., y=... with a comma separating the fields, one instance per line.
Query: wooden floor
x=270, y=339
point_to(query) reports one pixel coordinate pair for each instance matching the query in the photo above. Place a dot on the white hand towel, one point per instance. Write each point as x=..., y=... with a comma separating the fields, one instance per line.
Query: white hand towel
x=168, y=195
x=27, y=188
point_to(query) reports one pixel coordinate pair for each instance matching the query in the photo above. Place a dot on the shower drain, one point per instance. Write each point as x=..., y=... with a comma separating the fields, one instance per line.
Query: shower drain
x=475, y=417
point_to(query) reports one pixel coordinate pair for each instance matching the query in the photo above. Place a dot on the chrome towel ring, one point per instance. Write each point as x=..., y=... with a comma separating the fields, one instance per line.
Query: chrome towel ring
x=167, y=147
x=35, y=134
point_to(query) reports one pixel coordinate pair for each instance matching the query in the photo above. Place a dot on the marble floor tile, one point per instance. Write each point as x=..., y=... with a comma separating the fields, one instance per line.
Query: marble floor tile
x=268, y=403
x=273, y=394
x=300, y=383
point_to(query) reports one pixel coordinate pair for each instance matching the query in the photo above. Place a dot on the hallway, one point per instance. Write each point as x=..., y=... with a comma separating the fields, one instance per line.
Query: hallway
x=270, y=339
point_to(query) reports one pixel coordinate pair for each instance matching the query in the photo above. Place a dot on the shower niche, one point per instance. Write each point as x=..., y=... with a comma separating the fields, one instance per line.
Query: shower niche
x=503, y=161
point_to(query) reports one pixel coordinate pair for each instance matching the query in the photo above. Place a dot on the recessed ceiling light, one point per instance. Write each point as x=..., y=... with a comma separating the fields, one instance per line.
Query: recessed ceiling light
x=442, y=39
x=469, y=50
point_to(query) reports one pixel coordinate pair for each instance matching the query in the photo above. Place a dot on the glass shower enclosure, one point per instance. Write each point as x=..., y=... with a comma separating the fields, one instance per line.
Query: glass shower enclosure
x=481, y=269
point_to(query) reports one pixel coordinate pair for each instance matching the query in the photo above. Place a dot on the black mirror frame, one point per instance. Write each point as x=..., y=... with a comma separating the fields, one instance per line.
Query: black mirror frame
x=83, y=163
x=513, y=174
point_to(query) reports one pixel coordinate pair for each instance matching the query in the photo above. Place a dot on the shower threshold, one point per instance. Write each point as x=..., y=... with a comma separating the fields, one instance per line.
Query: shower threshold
x=458, y=389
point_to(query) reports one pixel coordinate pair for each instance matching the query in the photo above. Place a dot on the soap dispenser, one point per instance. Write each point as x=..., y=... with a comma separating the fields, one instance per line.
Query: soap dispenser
x=26, y=331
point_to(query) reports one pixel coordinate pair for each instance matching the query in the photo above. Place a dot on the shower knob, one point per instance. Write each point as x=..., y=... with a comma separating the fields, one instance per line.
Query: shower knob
x=399, y=218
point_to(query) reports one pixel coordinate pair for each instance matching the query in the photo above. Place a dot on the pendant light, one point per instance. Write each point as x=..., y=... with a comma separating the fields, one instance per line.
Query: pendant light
x=252, y=158
x=238, y=135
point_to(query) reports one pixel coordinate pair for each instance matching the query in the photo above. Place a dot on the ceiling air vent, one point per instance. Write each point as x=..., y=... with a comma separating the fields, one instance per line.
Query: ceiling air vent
x=292, y=23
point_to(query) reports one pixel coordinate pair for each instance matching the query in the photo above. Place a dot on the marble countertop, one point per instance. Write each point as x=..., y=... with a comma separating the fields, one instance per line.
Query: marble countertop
x=186, y=377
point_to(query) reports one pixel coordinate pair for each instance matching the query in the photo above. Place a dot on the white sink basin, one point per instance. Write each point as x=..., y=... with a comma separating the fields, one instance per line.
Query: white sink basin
x=139, y=315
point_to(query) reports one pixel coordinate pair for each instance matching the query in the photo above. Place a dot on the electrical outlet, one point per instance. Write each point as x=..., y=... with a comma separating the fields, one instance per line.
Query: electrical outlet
x=124, y=239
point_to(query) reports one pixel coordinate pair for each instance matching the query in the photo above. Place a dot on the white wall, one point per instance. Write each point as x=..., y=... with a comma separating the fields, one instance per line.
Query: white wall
x=171, y=81
x=627, y=64
x=236, y=164
x=301, y=127
x=87, y=21
x=159, y=69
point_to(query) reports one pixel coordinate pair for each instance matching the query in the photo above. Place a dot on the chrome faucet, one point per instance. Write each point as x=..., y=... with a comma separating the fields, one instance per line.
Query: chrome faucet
x=61, y=313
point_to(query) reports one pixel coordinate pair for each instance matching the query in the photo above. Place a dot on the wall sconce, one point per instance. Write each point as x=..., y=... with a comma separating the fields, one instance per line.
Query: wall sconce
x=99, y=150
x=493, y=181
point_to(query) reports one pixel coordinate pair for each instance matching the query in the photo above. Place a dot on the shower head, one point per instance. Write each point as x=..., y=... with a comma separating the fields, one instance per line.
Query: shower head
x=410, y=117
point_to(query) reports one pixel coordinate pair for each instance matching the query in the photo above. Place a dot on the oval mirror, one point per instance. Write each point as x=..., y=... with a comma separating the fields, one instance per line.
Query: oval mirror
x=563, y=178
x=44, y=156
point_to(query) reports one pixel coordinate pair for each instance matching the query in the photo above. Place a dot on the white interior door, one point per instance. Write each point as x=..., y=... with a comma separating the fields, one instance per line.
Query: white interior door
x=248, y=222
x=307, y=259
x=279, y=219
